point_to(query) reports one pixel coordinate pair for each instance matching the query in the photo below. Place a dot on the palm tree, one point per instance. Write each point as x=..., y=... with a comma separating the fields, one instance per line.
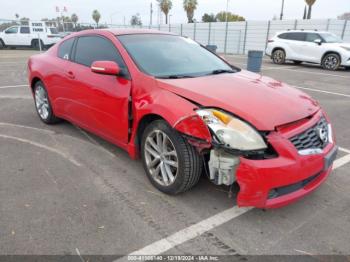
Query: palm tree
x=190, y=6
x=96, y=16
x=310, y=3
x=74, y=19
x=165, y=6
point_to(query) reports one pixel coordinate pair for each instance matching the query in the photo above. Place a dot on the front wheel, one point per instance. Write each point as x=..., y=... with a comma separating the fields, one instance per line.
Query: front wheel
x=279, y=57
x=2, y=44
x=43, y=105
x=172, y=165
x=331, y=62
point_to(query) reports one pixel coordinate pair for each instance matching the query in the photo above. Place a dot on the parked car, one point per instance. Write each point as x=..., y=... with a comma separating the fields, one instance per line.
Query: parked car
x=299, y=46
x=185, y=111
x=31, y=35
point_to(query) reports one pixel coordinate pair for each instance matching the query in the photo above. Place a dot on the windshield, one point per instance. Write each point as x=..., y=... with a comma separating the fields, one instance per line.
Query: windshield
x=53, y=31
x=169, y=56
x=330, y=38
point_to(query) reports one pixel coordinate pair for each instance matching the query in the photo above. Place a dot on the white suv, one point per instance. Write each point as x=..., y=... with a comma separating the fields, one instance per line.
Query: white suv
x=309, y=46
x=32, y=35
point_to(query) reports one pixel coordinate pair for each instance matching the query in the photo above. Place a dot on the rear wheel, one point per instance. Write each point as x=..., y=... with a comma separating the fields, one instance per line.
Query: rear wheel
x=43, y=105
x=331, y=61
x=36, y=45
x=172, y=165
x=279, y=57
x=2, y=44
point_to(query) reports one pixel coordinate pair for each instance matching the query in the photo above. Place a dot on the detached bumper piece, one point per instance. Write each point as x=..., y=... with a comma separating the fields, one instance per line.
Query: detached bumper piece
x=273, y=183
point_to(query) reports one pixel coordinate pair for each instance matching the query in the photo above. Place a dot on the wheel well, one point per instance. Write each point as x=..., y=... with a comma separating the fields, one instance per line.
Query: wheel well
x=34, y=81
x=2, y=41
x=331, y=52
x=36, y=40
x=144, y=122
x=278, y=48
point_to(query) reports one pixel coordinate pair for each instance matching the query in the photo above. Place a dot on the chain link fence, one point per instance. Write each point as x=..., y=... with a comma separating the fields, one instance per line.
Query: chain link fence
x=230, y=38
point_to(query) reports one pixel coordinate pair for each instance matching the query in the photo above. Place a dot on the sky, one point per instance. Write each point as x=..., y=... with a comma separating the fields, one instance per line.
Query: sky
x=116, y=10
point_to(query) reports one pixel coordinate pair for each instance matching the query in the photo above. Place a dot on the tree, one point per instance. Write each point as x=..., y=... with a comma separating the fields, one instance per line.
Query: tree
x=221, y=17
x=208, y=18
x=136, y=20
x=96, y=16
x=305, y=13
x=165, y=6
x=190, y=6
x=345, y=16
x=310, y=3
x=74, y=18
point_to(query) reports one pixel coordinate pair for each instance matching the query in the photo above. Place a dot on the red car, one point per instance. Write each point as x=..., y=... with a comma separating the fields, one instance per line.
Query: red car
x=186, y=112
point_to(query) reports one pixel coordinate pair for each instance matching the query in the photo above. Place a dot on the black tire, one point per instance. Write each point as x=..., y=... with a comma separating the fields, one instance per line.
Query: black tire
x=331, y=61
x=36, y=46
x=278, y=57
x=189, y=161
x=2, y=44
x=297, y=62
x=51, y=118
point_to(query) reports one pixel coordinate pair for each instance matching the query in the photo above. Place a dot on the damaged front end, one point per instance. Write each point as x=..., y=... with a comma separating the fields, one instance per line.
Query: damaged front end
x=222, y=139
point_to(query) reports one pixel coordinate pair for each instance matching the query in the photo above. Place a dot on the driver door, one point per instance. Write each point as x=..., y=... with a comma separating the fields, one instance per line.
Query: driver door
x=11, y=36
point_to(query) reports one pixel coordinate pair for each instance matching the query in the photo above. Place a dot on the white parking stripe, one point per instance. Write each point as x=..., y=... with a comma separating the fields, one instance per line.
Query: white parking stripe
x=311, y=72
x=206, y=225
x=323, y=91
x=344, y=150
x=3, y=87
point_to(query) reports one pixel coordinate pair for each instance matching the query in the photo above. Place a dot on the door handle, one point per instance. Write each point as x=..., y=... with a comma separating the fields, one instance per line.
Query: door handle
x=70, y=75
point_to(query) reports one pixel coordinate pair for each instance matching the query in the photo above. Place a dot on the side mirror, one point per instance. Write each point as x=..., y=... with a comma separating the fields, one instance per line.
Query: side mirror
x=105, y=68
x=318, y=41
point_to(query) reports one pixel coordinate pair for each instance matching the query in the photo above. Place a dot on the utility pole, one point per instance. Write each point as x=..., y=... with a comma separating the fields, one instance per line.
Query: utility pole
x=151, y=15
x=281, y=16
x=227, y=2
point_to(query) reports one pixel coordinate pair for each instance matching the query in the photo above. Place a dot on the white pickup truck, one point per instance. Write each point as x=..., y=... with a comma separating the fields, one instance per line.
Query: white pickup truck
x=33, y=35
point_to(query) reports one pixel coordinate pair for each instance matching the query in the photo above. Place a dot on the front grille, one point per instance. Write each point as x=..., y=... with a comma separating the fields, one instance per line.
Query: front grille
x=311, y=138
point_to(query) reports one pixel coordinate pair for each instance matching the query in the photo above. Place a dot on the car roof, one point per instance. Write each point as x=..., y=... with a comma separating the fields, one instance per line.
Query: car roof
x=131, y=31
x=304, y=31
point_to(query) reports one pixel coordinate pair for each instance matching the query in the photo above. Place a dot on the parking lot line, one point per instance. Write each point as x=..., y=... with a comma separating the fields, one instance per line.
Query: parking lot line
x=3, y=87
x=344, y=150
x=206, y=225
x=311, y=72
x=322, y=91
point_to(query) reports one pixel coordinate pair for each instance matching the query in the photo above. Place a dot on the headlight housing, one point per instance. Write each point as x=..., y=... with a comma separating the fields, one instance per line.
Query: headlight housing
x=231, y=131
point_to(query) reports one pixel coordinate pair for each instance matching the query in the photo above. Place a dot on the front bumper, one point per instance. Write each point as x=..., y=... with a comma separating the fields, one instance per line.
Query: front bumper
x=273, y=183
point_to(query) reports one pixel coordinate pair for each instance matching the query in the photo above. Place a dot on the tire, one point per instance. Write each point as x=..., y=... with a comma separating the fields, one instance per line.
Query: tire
x=331, y=62
x=186, y=167
x=36, y=46
x=2, y=44
x=279, y=57
x=297, y=62
x=43, y=104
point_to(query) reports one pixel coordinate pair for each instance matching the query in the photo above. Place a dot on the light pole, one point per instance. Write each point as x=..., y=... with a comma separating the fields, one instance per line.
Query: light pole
x=281, y=16
x=111, y=15
x=227, y=2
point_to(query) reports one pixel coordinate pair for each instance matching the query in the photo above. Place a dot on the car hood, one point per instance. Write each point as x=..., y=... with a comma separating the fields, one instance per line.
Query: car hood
x=262, y=101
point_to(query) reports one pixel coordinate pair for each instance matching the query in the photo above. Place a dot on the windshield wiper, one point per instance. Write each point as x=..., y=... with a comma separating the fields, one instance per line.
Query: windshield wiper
x=175, y=76
x=221, y=71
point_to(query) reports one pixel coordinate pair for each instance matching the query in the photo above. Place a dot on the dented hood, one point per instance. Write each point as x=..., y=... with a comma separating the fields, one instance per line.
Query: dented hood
x=262, y=101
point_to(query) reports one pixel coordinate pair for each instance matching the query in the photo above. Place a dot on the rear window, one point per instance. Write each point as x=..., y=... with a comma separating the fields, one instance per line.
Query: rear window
x=53, y=31
x=24, y=30
x=283, y=36
x=64, y=50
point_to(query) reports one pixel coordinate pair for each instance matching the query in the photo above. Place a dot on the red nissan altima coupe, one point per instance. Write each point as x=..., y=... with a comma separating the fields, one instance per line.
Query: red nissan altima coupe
x=186, y=112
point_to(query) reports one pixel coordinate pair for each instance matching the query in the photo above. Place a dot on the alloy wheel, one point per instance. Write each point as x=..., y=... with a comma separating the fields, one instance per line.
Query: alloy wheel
x=331, y=62
x=161, y=158
x=42, y=102
x=278, y=57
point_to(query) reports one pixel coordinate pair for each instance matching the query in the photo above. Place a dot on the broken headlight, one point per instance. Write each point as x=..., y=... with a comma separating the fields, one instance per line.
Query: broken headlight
x=231, y=131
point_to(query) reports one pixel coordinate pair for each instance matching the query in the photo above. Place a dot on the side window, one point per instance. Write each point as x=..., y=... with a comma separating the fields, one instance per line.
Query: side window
x=24, y=30
x=310, y=37
x=297, y=36
x=12, y=30
x=65, y=48
x=284, y=36
x=94, y=48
